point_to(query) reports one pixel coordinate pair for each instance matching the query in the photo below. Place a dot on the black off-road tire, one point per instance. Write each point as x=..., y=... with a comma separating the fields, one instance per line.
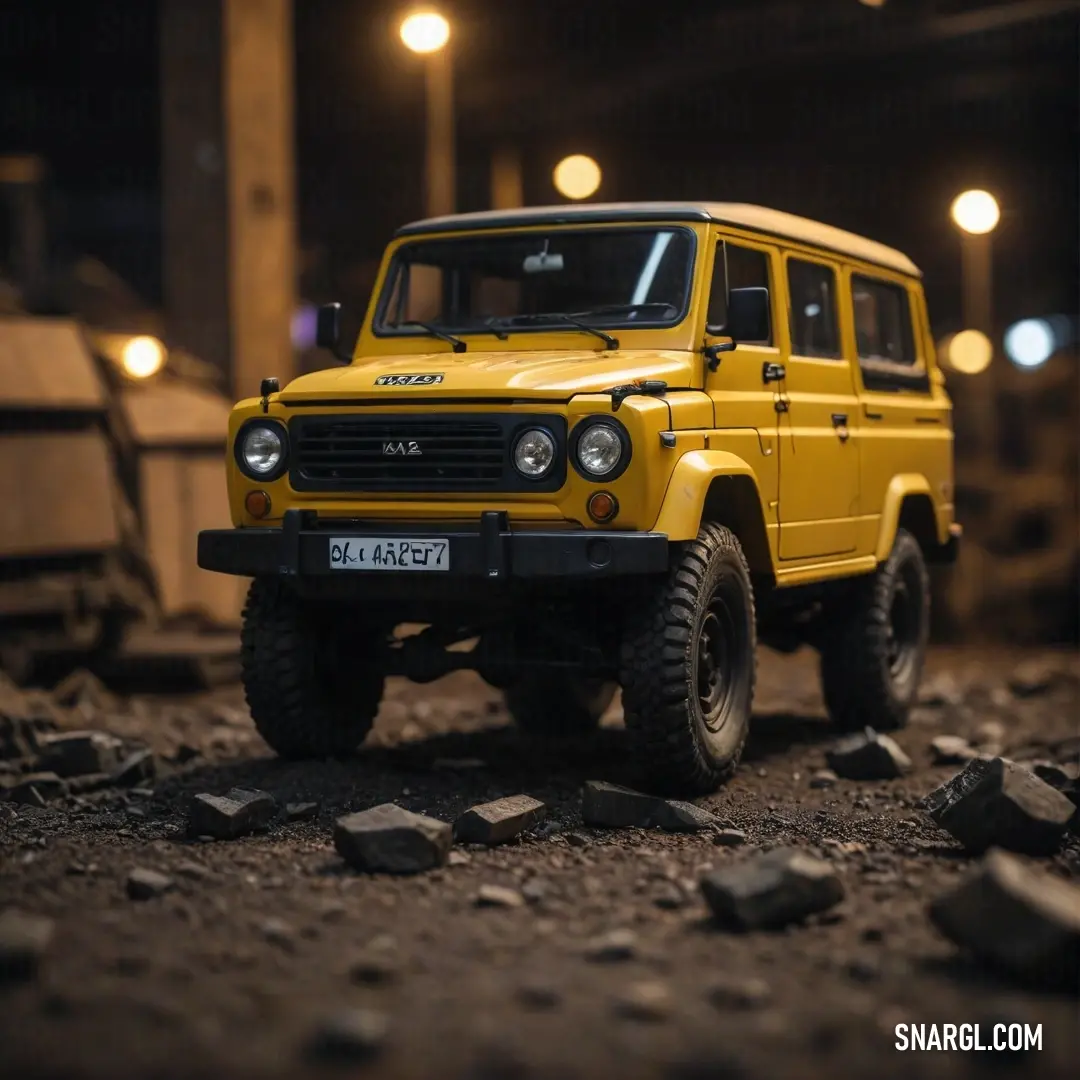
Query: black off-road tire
x=304, y=674
x=697, y=632
x=872, y=657
x=558, y=703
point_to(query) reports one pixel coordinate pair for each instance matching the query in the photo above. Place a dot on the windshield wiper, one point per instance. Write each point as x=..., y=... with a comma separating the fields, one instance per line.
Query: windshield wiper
x=434, y=331
x=568, y=320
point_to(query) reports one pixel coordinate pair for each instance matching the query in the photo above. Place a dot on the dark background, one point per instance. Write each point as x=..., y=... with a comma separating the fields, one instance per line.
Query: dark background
x=869, y=119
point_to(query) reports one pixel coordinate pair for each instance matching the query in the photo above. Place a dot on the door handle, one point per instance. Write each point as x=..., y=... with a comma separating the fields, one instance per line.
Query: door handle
x=839, y=420
x=772, y=372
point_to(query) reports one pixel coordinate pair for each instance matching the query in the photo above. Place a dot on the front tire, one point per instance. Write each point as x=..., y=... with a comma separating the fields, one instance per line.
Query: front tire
x=558, y=703
x=307, y=674
x=872, y=660
x=689, y=666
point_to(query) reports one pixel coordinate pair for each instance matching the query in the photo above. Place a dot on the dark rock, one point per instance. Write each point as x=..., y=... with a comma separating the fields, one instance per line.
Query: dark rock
x=82, y=687
x=135, y=769
x=613, y=947
x=36, y=789
x=301, y=811
x=535, y=890
x=609, y=806
x=24, y=940
x=729, y=838
x=350, y=1035
x=951, y=750
x=1062, y=778
x=84, y=785
x=1016, y=919
x=374, y=968
x=79, y=753
x=145, y=884
x=226, y=817
x=537, y=994
x=185, y=753
x=21, y=732
x=996, y=803
x=1031, y=679
x=668, y=896
x=499, y=896
x=771, y=890
x=736, y=992
x=823, y=778
x=499, y=821
x=868, y=756
x=390, y=839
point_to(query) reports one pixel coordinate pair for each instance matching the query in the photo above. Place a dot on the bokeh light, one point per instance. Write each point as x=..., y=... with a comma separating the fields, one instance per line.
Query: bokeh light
x=577, y=176
x=425, y=31
x=1030, y=342
x=143, y=356
x=968, y=352
x=976, y=212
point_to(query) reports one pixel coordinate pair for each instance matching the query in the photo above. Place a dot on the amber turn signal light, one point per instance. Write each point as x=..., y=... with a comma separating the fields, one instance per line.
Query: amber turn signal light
x=602, y=506
x=257, y=503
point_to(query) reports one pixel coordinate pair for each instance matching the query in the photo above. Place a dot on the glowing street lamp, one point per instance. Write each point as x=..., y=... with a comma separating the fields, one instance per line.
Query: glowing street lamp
x=1030, y=342
x=427, y=33
x=976, y=214
x=142, y=357
x=577, y=176
x=968, y=352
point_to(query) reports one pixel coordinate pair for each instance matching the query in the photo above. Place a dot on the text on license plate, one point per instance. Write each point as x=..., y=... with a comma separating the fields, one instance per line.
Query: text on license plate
x=375, y=553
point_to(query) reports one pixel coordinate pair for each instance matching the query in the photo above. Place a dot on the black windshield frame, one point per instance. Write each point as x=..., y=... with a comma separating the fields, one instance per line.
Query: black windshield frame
x=380, y=328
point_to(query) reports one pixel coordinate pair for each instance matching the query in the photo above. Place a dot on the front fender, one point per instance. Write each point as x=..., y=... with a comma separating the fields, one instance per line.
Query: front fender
x=684, y=500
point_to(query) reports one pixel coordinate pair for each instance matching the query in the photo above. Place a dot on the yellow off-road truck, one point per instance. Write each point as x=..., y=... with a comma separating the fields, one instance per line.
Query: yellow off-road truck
x=608, y=445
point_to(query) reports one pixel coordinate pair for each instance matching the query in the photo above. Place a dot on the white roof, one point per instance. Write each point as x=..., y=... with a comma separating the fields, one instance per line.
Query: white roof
x=743, y=215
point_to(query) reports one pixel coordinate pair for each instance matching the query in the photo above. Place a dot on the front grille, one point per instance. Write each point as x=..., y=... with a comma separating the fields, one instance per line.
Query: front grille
x=414, y=452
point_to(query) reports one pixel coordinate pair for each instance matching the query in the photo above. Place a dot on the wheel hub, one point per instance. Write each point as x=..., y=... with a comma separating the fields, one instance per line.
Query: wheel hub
x=716, y=651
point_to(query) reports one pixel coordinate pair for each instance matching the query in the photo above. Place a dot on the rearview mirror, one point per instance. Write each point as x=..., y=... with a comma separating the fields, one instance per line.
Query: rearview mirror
x=537, y=264
x=748, y=314
x=328, y=327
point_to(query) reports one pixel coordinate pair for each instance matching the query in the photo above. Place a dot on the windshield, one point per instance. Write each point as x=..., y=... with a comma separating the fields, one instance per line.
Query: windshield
x=510, y=282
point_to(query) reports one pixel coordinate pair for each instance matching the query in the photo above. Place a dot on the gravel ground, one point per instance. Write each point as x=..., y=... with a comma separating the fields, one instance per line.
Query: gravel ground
x=263, y=940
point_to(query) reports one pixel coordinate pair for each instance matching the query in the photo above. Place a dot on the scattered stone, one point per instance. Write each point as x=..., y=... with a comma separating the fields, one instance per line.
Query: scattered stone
x=943, y=690
x=185, y=753
x=729, y=838
x=499, y=896
x=7, y=813
x=193, y=871
x=374, y=967
x=577, y=839
x=145, y=884
x=278, y=932
x=301, y=811
x=78, y=753
x=1031, y=679
x=137, y=768
x=534, y=890
x=393, y=840
x=951, y=750
x=823, y=778
x=648, y=1001
x=1017, y=919
x=349, y=1035
x=458, y=858
x=499, y=821
x=868, y=756
x=537, y=994
x=612, y=947
x=613, y=807
x=988, y=733
x=770, y=890
x=24, y=940
x=82, y=687
x=86, y=785
x=36, y=789
x=735, y=992
x=227, y=817
x=996, y=803
x=668, y=896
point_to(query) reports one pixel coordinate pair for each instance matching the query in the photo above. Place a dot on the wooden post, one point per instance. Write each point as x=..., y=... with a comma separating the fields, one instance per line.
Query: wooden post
x=441, y=166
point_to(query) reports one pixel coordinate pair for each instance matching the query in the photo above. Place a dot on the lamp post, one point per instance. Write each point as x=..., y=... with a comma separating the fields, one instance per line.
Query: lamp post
x=428, y=33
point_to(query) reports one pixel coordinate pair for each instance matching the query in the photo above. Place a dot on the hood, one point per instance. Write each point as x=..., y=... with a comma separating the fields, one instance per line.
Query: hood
x=537, y=374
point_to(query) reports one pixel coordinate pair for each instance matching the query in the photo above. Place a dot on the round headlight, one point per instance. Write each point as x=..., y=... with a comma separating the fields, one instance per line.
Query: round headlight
x=261, y=450
x=599, y=450
x=534, y=453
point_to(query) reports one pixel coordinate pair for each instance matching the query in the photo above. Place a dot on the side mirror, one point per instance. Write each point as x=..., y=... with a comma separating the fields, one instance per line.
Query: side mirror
x=748, y=314
x=328, y=331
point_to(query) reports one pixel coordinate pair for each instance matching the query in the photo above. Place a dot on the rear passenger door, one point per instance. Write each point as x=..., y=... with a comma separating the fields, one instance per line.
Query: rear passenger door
x=819, y=424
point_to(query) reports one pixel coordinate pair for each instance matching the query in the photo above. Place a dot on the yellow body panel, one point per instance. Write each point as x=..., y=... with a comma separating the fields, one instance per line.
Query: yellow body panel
x=830, y=493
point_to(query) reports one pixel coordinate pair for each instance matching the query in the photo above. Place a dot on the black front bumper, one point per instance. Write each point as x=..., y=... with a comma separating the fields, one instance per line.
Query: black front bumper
x=301, y=548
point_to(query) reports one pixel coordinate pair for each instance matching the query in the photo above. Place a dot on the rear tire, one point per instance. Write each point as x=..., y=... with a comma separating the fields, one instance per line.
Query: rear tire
x=558, y=703
x=689, y=666
x=307, y=675
x=873, y=656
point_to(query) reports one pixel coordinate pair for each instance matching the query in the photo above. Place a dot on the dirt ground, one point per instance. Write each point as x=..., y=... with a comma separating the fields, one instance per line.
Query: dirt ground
x=228, y=975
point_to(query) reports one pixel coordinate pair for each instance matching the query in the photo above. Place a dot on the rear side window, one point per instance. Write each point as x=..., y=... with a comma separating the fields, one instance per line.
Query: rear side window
x=882, y=321
x=736, y=267
x=814, y=324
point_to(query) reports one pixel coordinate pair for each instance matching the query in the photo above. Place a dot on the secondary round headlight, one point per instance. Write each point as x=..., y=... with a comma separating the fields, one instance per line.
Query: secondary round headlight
x=534, y=453
x=261, y=450
x=599, y=450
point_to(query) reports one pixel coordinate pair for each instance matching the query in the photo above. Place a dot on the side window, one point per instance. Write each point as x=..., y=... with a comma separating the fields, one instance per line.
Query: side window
x=882, y=321
x=736, y=267
x=814, y=325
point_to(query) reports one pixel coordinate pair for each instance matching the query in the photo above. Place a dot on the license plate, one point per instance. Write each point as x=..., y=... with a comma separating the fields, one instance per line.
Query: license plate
x=374, y=553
